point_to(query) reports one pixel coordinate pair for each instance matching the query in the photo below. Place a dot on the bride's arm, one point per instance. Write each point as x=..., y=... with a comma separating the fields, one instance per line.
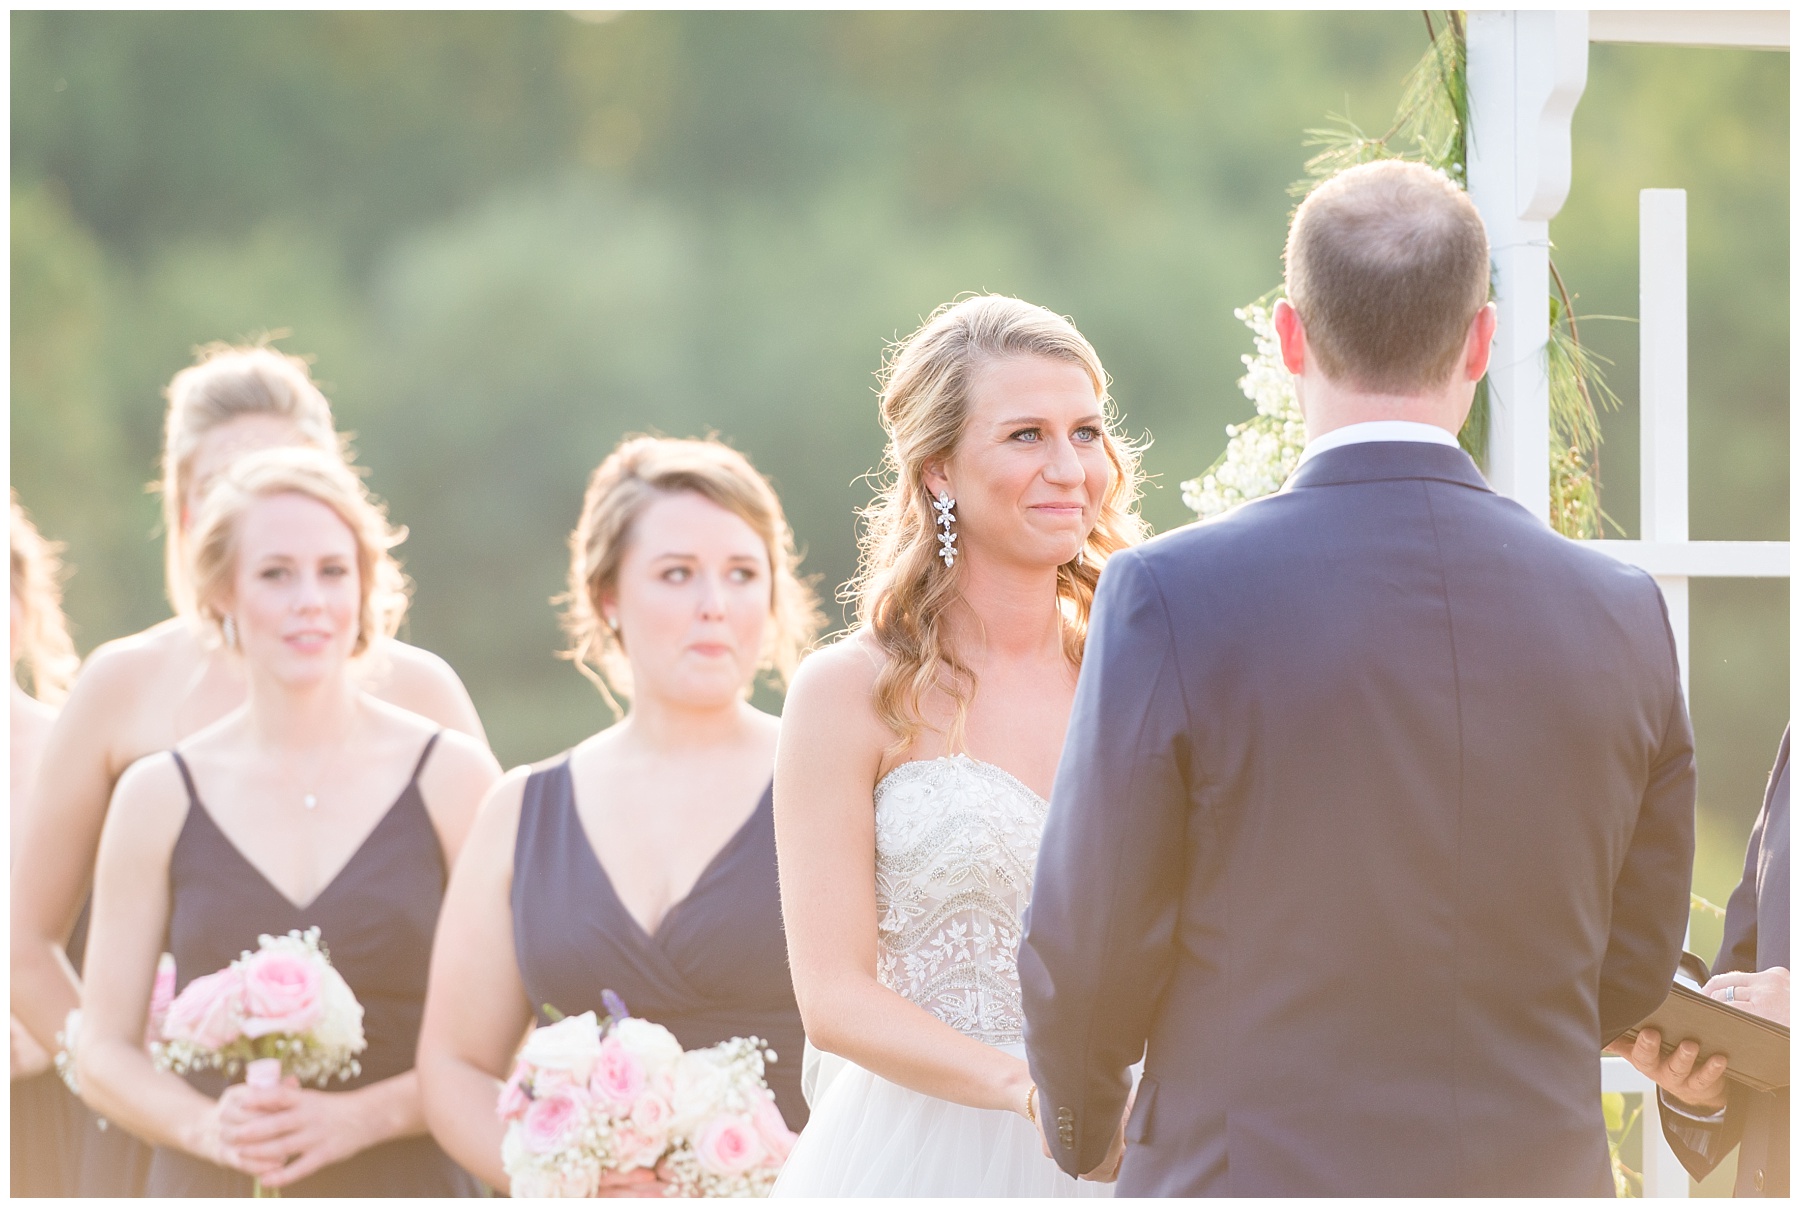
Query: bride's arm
x=825, y=768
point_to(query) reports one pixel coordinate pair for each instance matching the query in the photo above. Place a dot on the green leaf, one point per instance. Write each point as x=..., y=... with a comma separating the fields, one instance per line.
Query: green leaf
x=1613, y=1105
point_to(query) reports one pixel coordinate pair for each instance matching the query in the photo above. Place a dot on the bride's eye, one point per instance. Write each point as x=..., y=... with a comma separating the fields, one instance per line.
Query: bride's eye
x=1027, y=435
x=1087, y=433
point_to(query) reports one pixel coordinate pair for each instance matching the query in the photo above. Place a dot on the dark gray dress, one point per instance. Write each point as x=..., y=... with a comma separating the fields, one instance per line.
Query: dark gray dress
x=716, y=967
x=376, y=918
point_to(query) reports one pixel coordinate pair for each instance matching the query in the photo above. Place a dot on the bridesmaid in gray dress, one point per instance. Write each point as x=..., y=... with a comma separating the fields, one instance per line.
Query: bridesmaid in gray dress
x=641, y=861
x=315, y=804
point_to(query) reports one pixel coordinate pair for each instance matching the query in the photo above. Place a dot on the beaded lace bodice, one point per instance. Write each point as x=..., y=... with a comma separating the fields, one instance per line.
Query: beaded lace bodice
x=956, y=842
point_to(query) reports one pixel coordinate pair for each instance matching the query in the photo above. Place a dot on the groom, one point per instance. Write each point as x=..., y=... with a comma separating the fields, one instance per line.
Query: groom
x=1375, y=820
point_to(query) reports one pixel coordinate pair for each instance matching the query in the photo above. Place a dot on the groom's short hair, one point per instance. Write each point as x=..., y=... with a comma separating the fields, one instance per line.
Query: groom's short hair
x=1387, y=264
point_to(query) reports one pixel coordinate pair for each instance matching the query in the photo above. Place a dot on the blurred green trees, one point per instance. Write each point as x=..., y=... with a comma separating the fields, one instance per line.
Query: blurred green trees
x=511, y=238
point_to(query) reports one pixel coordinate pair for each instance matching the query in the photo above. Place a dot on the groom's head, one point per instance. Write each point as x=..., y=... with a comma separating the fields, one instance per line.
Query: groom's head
x=1387, y=277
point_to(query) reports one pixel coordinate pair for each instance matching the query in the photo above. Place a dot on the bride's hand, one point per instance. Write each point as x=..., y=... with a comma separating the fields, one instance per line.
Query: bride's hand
x=1108, y=1170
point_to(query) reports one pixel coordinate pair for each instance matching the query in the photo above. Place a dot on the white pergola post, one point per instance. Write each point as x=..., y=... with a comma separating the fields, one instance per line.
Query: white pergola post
x=1663, y=390
x=1527, y=70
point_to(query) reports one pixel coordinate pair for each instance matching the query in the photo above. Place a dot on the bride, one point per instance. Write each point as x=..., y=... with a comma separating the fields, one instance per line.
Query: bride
x=916, y=757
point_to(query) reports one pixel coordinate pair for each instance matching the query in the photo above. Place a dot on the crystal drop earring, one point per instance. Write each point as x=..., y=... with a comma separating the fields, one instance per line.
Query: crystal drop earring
x=945, y=521
x=229, y=627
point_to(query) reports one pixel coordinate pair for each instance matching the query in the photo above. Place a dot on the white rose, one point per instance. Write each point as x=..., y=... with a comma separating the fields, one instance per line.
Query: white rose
x=700, y=1087
x=571, y=1044
x=651, y=1043
x=340, y=1026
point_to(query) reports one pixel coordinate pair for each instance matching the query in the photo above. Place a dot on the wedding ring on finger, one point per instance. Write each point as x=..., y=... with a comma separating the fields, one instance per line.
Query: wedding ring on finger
x=1730, y=993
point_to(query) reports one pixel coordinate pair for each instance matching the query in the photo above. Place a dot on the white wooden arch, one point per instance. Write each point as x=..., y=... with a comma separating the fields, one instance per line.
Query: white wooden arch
x=1527, y=71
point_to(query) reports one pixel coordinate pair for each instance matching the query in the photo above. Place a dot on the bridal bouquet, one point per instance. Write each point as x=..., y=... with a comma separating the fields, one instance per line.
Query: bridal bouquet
x=588, y=1097
x=281, y=1010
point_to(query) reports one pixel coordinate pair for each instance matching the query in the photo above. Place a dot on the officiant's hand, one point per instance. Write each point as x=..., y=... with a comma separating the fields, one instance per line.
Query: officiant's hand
x=1701, y=1087
x=1764, y=993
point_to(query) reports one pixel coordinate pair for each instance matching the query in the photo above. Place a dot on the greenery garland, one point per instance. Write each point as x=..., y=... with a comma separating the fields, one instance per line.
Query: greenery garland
x=1431, y=128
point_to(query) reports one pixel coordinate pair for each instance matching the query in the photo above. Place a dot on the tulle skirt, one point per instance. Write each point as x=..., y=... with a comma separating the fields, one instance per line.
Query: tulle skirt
x=869, y=1137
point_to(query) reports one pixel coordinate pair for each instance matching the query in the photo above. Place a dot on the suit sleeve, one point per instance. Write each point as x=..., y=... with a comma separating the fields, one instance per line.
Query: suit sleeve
x=1650, y=897
x=1099, y=938
x=1737, y=953
x=1702, y=1143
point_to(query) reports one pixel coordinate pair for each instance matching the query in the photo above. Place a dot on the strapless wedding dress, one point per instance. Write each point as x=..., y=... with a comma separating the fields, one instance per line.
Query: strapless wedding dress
x=956, y=843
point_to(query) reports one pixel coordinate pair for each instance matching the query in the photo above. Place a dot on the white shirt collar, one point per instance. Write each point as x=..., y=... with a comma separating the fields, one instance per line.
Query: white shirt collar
x=1377, y=429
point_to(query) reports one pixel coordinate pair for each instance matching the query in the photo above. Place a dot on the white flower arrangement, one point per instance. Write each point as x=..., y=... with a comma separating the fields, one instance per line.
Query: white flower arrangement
x=1262, y=451
x=588, y=1097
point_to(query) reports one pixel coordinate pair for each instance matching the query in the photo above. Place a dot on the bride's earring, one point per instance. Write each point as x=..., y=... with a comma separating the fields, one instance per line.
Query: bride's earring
x=945, y=521
x=229, y=627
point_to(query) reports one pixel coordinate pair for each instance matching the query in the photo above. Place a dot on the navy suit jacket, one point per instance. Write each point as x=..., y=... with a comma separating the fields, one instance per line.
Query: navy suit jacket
x=1756, y=937
x=1374, y=822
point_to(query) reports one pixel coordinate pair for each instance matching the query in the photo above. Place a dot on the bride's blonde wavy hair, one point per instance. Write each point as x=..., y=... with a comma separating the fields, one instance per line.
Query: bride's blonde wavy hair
x=902, y=589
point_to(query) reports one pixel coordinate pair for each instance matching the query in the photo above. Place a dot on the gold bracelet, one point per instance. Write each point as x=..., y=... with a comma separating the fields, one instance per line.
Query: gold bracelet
x=1031, y=1104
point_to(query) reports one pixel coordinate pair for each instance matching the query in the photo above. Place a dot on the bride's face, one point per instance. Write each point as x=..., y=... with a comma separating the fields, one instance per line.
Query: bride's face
x=1031, y=468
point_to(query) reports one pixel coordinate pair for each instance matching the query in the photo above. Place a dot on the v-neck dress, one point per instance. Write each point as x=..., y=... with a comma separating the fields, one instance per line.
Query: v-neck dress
x=376, y=918
x=716, y=967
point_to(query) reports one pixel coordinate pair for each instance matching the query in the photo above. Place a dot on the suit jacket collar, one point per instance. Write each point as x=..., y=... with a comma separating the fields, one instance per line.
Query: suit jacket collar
x=1387, y=460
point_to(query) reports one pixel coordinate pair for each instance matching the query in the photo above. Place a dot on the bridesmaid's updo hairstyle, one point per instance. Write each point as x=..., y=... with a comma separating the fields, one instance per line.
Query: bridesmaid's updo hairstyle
x=319, y=476
x=46, y=652
x=632, y=477
x=902, y=589
x=227, y=382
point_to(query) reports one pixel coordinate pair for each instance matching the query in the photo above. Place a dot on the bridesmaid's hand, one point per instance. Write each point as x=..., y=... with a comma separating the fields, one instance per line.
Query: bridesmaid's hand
x=631, y=1184
x=28, y=1056
x=210, y=1140
x=284, y=1133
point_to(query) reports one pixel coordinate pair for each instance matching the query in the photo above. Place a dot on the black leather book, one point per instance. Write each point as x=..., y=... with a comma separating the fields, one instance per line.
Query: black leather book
x=1756, y=1050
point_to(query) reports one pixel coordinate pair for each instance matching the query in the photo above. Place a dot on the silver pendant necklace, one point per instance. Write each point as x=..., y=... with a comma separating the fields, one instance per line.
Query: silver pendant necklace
x=310, y=797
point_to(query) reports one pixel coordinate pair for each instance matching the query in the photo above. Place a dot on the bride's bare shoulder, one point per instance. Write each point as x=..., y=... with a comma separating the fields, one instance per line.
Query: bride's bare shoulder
x=836, y=683
x=846, y=667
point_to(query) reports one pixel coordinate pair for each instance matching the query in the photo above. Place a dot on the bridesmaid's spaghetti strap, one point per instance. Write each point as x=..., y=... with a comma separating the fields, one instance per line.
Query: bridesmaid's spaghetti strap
x=187, y=777
x=423, y=756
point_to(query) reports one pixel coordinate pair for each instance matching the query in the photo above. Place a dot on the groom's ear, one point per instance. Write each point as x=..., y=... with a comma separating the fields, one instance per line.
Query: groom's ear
x=1292, y=334
x=1480, y=345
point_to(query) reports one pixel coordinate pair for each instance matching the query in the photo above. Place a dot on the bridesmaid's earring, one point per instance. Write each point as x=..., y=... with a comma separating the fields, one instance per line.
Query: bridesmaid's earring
x=229, y=627
x=947, y=538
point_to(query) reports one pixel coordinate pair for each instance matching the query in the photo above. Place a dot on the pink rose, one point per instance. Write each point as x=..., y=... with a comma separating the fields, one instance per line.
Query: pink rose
x=209, y=1013
x=772, y=1131
x=618, y=1077
x=633, y=1150
x=652, y=1115
x=729, y=1145
x=513, y=1099
x=282, y=993
x=162, y=994
x=552, y=1120
x=548, y=1082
